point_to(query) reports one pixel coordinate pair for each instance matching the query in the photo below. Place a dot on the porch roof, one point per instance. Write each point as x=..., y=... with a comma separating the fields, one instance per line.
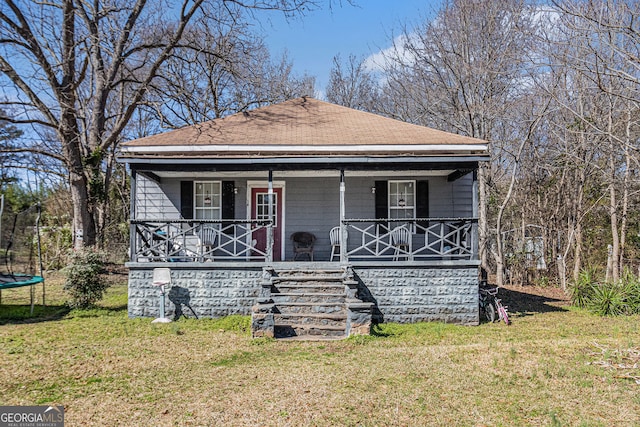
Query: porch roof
x=299, y=128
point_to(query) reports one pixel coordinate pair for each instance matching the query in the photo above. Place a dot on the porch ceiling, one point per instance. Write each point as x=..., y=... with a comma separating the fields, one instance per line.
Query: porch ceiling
x=305, y=174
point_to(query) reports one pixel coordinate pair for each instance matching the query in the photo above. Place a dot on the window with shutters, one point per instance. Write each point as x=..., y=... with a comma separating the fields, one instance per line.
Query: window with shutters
x=207, y=199
x=402, y=199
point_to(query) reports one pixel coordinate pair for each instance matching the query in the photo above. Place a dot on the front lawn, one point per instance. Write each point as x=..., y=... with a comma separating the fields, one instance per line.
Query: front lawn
x=554, y=366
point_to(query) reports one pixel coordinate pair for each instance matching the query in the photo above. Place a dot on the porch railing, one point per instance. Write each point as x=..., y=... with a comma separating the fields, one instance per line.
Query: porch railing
x=199, y=240
x=407, y=239
x=410, y=239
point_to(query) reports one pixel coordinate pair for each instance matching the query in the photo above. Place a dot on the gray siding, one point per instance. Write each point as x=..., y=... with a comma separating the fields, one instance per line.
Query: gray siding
x=153, y=200
x=312, y=205
x=450, y=199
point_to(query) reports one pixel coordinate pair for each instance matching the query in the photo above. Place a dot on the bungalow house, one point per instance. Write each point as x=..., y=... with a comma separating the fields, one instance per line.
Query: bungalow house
x=313, y=217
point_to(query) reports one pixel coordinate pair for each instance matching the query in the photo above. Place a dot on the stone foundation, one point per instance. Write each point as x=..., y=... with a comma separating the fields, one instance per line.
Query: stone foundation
x=207, y=290
x=408, y=294
x=403, y=294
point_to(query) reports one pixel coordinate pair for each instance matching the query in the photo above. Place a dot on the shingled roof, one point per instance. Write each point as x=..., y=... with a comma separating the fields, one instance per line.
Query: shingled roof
x=301, y=126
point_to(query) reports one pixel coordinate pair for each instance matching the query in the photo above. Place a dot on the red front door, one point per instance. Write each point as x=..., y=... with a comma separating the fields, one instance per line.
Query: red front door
x=260, y=211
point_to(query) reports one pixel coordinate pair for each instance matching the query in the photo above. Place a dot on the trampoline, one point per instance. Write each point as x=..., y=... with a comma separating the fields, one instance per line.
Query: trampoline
x=8, y=280
x=21, y=242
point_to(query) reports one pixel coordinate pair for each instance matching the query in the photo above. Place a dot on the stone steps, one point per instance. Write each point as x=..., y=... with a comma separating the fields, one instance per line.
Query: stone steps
x=323, y=319
x=310, y=307
x=309, y=303
x=302, y=330
x=307, y=297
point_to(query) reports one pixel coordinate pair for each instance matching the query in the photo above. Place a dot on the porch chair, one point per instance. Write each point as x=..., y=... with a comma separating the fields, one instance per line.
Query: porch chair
x=303, y=242
x=207, y=236
x=161, y=278
x=334, y=236
x=400, y=240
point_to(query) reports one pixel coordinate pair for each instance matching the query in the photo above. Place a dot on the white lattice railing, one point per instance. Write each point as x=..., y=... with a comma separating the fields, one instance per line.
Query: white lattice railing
x=410, y=239
x=198, y=241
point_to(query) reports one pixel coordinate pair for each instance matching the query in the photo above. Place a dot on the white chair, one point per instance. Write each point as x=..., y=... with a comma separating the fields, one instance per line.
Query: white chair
x=207, y=237
x=401, y=241
x=334, y=237
x=161, y=278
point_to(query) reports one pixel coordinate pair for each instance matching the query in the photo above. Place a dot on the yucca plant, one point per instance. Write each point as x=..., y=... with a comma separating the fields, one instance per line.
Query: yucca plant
x=608, y=299
x=583, y=289
x=631, y=292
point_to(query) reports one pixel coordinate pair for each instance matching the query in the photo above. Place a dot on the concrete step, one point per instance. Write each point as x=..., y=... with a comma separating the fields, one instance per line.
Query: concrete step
x=309, y=303
x=311, y=307
x=312, y=338
x=285, y=331
x=313, y=297
x=303, y=288
x=309, y=273
x=321, y=319
x=305, y=280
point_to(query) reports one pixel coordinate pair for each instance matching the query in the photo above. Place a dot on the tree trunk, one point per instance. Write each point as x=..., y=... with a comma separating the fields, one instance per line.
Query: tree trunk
x=483, y=222
x=84, y=230
x=613, y=214
x=577, y=256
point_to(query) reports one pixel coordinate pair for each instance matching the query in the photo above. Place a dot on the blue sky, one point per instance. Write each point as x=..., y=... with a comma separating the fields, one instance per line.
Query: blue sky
x=313, y=40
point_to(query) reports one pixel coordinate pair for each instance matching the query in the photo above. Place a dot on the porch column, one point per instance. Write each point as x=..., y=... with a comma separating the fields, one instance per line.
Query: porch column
x=343, y=226
x=270, y=226
x=132, y=215
x=474, y=211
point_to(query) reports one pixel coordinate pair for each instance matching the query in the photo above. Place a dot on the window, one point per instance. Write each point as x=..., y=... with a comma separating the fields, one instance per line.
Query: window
x=207, y=200
x=402, y=199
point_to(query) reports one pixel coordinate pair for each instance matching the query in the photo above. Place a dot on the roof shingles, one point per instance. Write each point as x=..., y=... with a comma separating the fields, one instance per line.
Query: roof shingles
x=300, y=122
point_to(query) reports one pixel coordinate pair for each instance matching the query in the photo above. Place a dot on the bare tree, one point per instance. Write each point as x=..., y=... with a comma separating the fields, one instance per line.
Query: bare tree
x=603, y=51
x=80, y=69
x=8, y=158
x=352, y=85
x=463, y=72
x=219, y=71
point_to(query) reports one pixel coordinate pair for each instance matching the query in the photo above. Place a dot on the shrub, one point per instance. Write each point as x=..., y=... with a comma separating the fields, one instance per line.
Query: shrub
x=607, y=299
x=582, y=290
x=631, y=290
x=85, y=283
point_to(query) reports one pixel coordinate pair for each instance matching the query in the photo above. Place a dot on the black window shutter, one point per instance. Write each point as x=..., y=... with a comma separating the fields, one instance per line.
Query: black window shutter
x=382, y=208
x=228, y=204
x=186, y=199
x=422, y=204
x=382, y=201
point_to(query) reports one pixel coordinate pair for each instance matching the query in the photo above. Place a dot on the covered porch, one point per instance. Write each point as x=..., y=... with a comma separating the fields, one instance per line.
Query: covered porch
x=382, y=216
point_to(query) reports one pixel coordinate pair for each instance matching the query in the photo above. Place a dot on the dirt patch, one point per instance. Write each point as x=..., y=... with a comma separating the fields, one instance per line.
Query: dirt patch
x=534, y=299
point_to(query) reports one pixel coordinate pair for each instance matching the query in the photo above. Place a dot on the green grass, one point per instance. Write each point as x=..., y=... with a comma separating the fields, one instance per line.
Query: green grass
x=555, y=368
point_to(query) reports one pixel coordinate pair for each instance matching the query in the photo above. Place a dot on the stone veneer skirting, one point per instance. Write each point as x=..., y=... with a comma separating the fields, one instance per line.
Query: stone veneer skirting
x=403, y=293
x=210, y=291
x=408, y=294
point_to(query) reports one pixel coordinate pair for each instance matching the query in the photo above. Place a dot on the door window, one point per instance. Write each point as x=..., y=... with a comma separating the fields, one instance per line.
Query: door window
x=262, y=207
